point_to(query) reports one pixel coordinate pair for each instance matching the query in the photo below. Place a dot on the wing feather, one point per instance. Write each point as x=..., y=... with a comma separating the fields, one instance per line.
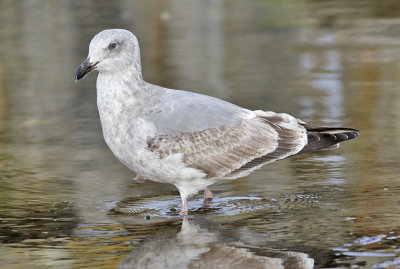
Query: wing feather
x=234, y=151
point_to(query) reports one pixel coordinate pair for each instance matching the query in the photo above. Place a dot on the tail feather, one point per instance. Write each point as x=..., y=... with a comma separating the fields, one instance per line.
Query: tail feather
x=320, y=138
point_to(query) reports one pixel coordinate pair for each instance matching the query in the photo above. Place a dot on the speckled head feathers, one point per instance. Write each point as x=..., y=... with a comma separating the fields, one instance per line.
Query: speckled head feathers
x=111, y=51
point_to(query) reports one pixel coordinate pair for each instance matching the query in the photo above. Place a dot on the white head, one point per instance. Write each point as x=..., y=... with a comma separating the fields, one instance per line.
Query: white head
x=111, y=51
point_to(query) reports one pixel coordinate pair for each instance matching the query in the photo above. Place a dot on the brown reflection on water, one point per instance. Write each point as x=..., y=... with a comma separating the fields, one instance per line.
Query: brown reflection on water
x=65, y=201
x=369, y=207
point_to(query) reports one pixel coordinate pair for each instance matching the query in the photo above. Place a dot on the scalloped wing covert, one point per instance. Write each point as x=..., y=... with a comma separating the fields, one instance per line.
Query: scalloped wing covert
x=231, y=152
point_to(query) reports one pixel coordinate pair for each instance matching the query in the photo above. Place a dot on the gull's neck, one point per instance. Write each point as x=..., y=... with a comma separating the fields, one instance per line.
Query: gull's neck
x=134, y=70
x=124, y=92
x=118, y=100
x=126, y=83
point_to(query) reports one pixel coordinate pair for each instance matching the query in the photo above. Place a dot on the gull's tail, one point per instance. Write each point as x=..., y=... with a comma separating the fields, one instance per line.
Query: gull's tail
x=320, y=138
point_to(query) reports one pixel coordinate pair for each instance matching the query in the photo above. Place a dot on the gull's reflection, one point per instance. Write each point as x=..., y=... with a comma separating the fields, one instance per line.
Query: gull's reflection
x=201, y=243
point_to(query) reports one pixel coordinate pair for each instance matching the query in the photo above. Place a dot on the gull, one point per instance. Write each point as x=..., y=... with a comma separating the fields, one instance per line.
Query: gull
x=183, y=138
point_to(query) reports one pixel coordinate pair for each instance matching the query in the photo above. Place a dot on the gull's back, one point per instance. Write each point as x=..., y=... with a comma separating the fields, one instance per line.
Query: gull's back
x=179, y=112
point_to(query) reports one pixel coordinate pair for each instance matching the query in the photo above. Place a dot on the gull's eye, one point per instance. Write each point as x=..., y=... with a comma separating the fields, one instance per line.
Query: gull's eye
x=112, y=46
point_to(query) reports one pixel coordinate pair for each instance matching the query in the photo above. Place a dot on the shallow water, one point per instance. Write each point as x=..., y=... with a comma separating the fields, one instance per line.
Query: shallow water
x=66, y=202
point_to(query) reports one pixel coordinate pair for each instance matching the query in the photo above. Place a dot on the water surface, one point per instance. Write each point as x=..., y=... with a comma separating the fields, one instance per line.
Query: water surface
x=66, y=202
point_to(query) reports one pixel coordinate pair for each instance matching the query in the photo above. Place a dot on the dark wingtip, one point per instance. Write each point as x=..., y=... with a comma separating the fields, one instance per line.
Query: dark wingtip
x=320, y=138
x=352, y=134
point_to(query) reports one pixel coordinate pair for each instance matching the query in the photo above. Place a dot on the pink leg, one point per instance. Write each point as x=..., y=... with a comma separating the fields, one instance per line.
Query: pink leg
x=208, y=195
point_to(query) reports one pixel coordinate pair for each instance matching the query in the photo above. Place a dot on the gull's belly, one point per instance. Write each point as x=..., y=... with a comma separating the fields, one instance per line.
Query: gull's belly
x=129, y=145
x=170, y=169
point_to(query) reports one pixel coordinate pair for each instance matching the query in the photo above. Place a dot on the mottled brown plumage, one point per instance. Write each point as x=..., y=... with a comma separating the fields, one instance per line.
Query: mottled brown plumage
x=231, y=152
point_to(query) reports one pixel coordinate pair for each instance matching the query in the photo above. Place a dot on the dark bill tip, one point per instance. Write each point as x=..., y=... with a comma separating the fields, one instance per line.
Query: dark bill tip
x=84, y=69
x=80, y=73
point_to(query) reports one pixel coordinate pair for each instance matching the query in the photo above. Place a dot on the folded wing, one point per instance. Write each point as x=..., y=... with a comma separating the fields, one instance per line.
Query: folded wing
x=234, y=151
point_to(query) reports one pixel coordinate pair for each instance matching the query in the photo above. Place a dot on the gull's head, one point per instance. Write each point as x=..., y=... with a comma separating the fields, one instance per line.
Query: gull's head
x=110, y=51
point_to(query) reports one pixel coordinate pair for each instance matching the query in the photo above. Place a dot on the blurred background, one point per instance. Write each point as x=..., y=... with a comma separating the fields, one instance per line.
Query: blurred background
x=66, y=202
